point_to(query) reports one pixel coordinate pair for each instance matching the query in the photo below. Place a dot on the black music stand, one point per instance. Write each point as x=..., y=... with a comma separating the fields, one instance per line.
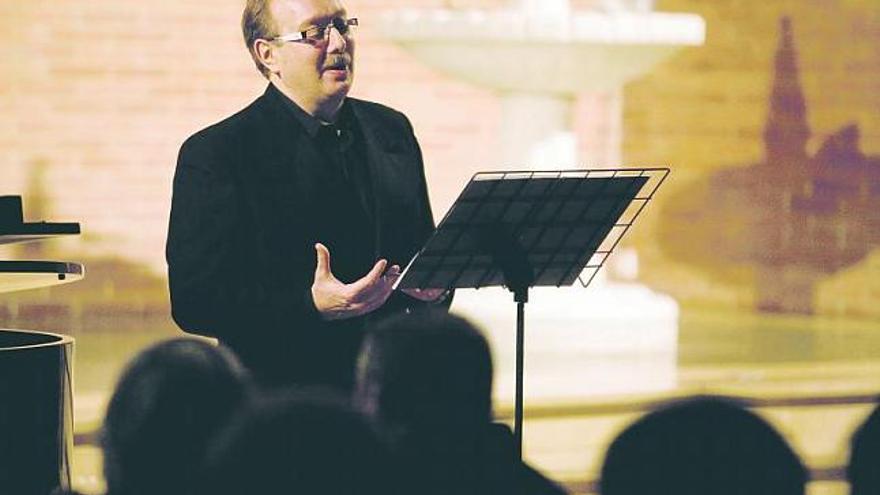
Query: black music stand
x=528, y=229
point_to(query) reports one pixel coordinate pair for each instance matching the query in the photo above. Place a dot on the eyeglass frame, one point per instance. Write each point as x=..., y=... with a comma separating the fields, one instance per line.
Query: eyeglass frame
x=303, y=36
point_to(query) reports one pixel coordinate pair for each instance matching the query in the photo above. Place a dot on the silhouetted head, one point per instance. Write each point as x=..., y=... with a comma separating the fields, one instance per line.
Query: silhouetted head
x=864, y=459
x=423, y=370
x=701, y=446
x=297, y=442
x=168, y=403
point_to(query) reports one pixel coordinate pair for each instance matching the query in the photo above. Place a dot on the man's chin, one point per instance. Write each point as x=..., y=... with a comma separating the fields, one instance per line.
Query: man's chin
x=337, y=87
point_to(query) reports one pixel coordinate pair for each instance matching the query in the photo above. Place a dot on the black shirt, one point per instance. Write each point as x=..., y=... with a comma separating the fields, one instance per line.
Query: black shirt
x=349, y=230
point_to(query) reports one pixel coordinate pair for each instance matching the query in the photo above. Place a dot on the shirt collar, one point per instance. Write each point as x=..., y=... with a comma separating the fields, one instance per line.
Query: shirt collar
x=311, y=124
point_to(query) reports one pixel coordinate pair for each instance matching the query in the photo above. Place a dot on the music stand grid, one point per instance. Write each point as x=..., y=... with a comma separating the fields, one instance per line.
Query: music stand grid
x=563, y=225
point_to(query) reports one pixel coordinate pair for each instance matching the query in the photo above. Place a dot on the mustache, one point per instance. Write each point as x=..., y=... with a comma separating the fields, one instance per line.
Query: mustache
x=337, y=60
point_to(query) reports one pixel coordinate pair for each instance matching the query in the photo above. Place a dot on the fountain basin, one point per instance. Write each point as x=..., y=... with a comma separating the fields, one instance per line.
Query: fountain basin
x=612, y=339
x=566, y=55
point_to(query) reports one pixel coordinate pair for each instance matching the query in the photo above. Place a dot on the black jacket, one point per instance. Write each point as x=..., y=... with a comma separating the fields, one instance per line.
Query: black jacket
x=250, y=201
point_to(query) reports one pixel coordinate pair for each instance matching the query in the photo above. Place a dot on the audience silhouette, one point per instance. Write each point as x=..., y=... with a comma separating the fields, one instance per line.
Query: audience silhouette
x=184, y=419
x=300, y=442
x=863, y=470
x=701, y=446
x=169, y=402
x=425, y=382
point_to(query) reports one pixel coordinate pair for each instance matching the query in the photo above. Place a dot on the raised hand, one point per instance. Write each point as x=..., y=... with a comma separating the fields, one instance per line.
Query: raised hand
x=336, y=300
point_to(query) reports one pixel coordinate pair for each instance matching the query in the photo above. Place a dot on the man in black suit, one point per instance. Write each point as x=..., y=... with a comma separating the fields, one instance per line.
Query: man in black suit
x=264, y=197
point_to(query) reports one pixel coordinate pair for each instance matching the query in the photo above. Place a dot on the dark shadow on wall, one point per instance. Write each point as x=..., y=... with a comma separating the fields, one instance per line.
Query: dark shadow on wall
x=794, y=219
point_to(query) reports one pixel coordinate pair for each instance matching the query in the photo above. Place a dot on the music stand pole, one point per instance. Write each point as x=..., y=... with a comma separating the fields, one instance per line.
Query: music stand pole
x=521, y=297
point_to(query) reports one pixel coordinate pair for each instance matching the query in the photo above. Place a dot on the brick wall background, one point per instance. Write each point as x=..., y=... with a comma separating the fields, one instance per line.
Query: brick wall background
x=96, y=97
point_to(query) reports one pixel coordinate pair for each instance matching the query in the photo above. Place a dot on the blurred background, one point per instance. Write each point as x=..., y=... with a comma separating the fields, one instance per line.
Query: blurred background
x=754, y=272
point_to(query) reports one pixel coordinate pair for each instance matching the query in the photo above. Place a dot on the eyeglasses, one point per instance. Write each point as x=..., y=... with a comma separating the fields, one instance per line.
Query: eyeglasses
x=320, y=33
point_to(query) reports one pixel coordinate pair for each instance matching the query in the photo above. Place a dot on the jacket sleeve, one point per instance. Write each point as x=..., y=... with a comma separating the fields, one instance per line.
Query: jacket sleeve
x=215, y=279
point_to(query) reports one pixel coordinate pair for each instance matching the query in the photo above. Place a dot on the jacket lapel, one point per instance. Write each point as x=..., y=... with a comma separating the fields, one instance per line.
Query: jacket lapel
x=384, y=163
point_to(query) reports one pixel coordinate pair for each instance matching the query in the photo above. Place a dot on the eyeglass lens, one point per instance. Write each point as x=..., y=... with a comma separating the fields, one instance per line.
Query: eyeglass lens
x=340, y=24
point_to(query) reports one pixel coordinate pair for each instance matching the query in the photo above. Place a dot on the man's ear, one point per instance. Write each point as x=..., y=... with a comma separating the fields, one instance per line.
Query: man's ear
x=265, y=54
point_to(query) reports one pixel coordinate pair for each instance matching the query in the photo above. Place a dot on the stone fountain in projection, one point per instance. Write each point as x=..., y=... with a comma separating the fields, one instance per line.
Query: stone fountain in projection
x=540, y=57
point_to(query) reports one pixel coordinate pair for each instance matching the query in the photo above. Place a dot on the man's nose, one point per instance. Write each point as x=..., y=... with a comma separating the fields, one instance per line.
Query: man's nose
x=336, y=42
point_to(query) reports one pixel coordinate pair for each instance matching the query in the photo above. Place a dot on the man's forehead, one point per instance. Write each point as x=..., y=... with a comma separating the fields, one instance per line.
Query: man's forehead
x=301, y=13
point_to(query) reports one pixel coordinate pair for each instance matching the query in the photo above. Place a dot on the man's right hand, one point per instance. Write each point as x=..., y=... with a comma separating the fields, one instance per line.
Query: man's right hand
x=336, y=300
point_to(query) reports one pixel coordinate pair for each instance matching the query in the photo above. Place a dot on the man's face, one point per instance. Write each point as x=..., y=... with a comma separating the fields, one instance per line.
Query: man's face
x=313, y=71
